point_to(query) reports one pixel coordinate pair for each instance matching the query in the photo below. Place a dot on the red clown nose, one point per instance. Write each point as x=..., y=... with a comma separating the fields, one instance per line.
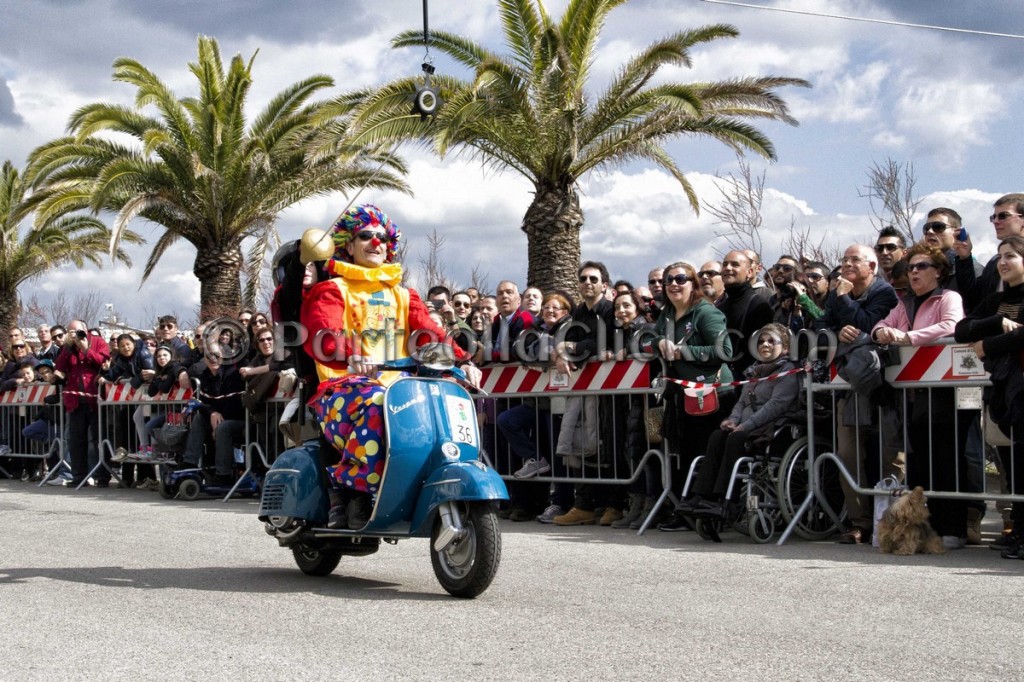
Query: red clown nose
x=375, y=242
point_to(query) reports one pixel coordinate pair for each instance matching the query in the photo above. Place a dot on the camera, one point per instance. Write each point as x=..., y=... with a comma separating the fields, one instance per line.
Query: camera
x=787, y=291
x=80, y=334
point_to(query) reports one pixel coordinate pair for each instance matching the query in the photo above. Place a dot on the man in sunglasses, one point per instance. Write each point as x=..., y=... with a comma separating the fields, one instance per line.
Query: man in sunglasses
x=889, y=248
x=589, y=333
x=1007, y=220
x=593, y=319
x=710, y=276
x=166, y=333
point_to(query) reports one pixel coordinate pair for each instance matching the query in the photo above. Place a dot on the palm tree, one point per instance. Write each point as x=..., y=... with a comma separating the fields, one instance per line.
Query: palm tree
x=29, y=253
x=530, y=111
x=199, y=172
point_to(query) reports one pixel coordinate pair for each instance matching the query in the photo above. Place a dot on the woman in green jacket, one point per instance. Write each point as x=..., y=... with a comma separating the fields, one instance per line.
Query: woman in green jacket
x=692, y=340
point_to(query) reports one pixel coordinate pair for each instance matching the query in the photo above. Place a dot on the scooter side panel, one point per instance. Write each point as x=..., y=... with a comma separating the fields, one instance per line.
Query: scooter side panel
x=292, y=486
x=411, y=438
x=457, y=481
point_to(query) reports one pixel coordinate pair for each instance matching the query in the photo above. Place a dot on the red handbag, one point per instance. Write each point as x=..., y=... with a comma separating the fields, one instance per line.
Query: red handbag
x=702, y=401
x=698, y=402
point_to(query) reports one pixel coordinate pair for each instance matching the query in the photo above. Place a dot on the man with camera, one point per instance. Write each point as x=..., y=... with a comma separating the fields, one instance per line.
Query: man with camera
x=78, y=367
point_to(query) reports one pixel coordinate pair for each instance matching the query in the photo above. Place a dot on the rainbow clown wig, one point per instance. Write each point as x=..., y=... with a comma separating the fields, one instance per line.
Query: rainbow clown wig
x=359, y=218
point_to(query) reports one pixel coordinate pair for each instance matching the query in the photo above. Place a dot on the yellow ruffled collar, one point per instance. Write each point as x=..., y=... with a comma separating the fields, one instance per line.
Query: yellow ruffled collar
x=389, y=274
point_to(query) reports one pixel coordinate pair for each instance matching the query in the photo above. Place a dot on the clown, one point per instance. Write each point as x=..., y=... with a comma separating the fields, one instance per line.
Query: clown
x=358, y=319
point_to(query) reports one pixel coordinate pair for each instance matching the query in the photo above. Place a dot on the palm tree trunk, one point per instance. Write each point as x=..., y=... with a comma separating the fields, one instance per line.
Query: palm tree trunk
x=552, y=225
x=9, y=309
x=220, y=291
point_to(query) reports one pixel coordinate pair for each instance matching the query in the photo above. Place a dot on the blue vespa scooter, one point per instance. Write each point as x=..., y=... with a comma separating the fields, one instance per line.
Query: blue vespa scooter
x=434, y=485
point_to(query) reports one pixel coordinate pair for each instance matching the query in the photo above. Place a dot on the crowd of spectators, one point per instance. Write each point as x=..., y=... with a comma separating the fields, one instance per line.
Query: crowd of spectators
x=726, y=320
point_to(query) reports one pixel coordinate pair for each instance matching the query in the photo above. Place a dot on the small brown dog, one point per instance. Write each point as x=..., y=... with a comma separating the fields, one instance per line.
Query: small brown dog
x=904, y=528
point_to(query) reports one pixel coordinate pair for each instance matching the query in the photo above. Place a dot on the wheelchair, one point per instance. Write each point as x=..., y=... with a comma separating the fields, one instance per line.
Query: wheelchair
x=772, y=482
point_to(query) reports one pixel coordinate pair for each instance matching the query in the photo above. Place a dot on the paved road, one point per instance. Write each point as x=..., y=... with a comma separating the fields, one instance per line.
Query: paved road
x=111, y=584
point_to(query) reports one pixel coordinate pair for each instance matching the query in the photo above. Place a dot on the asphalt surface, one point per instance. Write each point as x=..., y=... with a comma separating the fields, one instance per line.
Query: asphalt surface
x=120, y=584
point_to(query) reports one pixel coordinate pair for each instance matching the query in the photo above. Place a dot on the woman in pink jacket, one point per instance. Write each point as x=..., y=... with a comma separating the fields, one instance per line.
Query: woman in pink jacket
x=925, y=315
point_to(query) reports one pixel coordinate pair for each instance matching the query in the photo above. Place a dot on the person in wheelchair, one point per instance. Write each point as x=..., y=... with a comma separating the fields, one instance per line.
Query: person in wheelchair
x=762, y=407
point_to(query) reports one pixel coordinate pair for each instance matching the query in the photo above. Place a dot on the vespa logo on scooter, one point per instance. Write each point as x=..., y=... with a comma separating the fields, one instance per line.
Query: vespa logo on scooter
x=395, y=409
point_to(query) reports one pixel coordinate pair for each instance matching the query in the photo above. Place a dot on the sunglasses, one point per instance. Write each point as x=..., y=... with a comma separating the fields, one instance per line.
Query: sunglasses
x=1004, y=215
x=654, y=282
x=916, y=267
x=711, y=274
x=813, y=276
x=936, y=227
x=166, y=326
x=785, y=267
x=461, y=304
x=647, y=299
x=676, y=279
x=266, y=339
x=59, y=335
x=367, y=235
x=886, y=248
x=17, y=345
x=593, y=279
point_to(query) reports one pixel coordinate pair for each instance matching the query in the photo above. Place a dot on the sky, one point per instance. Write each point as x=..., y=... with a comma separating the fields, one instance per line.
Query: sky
x=939, y=100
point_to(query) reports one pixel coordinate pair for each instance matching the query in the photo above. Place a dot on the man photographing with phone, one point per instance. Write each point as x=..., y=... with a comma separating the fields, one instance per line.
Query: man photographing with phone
x=943, y=228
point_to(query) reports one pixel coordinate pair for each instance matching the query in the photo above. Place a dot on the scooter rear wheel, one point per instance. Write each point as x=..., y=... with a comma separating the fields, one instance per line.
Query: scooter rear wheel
x=314, y=561
x=466, y=567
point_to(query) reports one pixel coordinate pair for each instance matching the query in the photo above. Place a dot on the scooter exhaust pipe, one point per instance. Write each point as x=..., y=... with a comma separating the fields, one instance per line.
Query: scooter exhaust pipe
x=451, y=526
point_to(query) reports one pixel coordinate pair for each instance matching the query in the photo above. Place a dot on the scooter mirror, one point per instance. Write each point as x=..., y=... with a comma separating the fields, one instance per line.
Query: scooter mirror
x=438, y=356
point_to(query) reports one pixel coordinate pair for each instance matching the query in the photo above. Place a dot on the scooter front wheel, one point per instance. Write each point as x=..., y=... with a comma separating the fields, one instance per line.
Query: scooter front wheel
x=315, y=561
x=466, y=567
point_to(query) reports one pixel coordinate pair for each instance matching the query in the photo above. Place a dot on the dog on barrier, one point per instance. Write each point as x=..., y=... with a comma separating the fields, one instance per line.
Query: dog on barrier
x=904, y=528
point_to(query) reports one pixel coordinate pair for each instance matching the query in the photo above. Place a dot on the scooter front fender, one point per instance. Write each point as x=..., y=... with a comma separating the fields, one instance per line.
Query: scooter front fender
x=470, y=481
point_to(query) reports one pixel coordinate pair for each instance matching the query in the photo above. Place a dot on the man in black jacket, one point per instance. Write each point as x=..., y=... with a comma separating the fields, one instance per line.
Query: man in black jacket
x=220, y=413
x=745, y=310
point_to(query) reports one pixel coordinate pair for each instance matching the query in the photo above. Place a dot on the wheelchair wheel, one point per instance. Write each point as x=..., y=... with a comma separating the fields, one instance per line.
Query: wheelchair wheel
x=708, y=528
x=794, y=477
x=761, y=527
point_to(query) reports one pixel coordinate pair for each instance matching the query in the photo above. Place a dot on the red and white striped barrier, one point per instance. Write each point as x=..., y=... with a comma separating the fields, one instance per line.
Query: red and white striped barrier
x=32, y=394
x=625, y=375
x=940, y=362
x=124, y=393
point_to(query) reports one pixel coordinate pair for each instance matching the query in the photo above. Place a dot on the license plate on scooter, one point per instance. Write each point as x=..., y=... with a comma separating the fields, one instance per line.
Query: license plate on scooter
x=462, y=418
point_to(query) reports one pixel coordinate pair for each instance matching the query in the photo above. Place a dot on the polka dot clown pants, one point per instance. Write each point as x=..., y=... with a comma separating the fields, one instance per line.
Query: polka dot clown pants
x=351, y=414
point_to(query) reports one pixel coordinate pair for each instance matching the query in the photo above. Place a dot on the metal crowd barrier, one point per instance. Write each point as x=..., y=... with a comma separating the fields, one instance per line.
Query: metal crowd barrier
x=597, y=397
x=25, y=406
x=264, y=437
x=117, y=406
x=922, y=371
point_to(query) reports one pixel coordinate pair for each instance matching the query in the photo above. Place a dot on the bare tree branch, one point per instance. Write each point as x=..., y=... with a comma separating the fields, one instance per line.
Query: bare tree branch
x=890, y=192
x=738, y=209
x=801, y=245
